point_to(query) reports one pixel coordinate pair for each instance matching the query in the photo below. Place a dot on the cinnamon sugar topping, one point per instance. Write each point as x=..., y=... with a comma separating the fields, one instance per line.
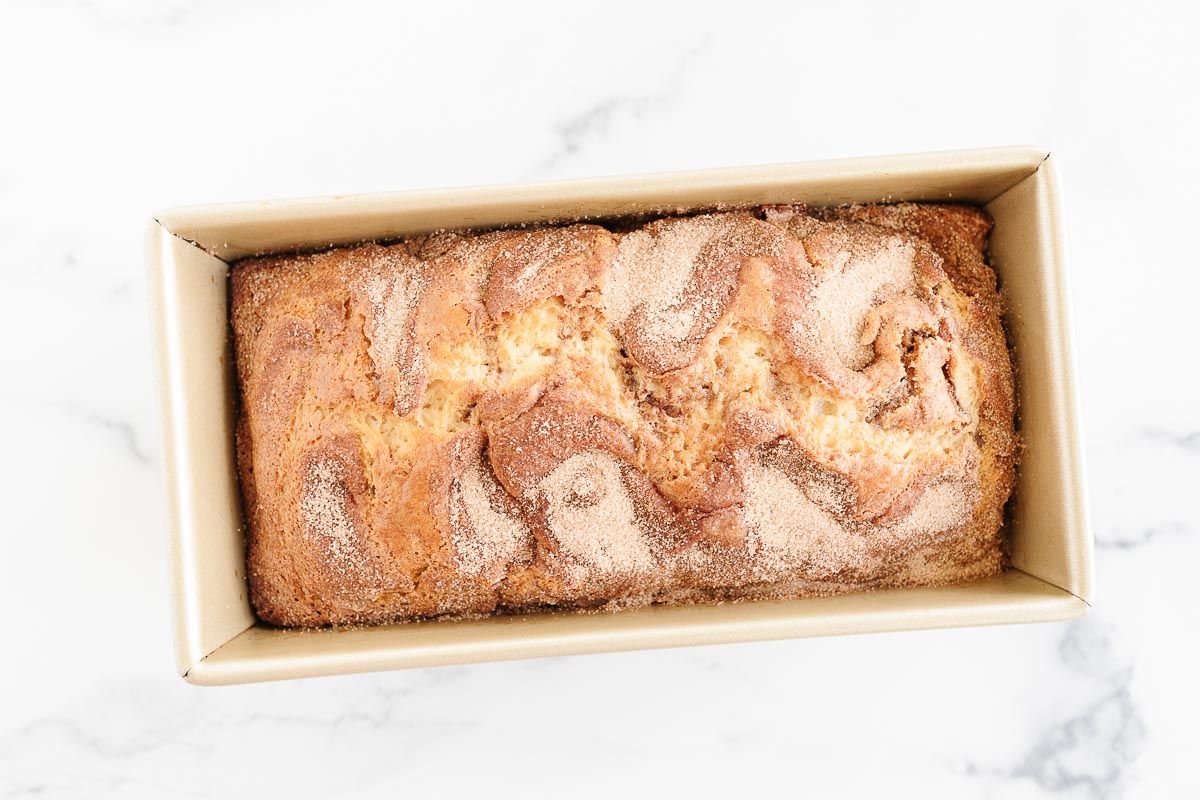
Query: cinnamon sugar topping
x=851, y=286
x=669, y=283
x=789, y=529
x=393, y=302
x=393, y=291
x=592, y=517
x=485, y=539
x=705, y=407
x=323, y=500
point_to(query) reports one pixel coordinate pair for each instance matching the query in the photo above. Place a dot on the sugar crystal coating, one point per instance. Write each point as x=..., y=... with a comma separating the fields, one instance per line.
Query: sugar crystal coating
x=773, y=402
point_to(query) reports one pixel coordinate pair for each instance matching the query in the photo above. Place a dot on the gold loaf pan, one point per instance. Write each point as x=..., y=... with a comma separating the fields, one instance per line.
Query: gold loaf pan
x=219, y=641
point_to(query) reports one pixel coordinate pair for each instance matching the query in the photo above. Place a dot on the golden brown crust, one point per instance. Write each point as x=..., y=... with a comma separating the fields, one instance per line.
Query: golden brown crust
x=772, y=403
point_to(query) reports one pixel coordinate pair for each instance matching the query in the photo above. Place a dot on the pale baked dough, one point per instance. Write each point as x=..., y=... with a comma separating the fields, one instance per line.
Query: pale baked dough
x=768, y=403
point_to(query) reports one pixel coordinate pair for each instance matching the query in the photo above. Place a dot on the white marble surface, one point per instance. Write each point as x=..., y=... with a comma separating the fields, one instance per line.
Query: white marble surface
x=112, y=110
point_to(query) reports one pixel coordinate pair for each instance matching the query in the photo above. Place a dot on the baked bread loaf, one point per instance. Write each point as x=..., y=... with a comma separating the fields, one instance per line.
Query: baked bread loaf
x=776, y=402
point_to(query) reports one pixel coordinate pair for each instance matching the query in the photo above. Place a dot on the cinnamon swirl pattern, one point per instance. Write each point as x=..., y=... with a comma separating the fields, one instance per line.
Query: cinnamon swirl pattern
x=775, y=402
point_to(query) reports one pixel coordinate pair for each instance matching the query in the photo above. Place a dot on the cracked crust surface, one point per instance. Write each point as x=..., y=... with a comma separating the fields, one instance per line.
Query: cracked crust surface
x=776, y=402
